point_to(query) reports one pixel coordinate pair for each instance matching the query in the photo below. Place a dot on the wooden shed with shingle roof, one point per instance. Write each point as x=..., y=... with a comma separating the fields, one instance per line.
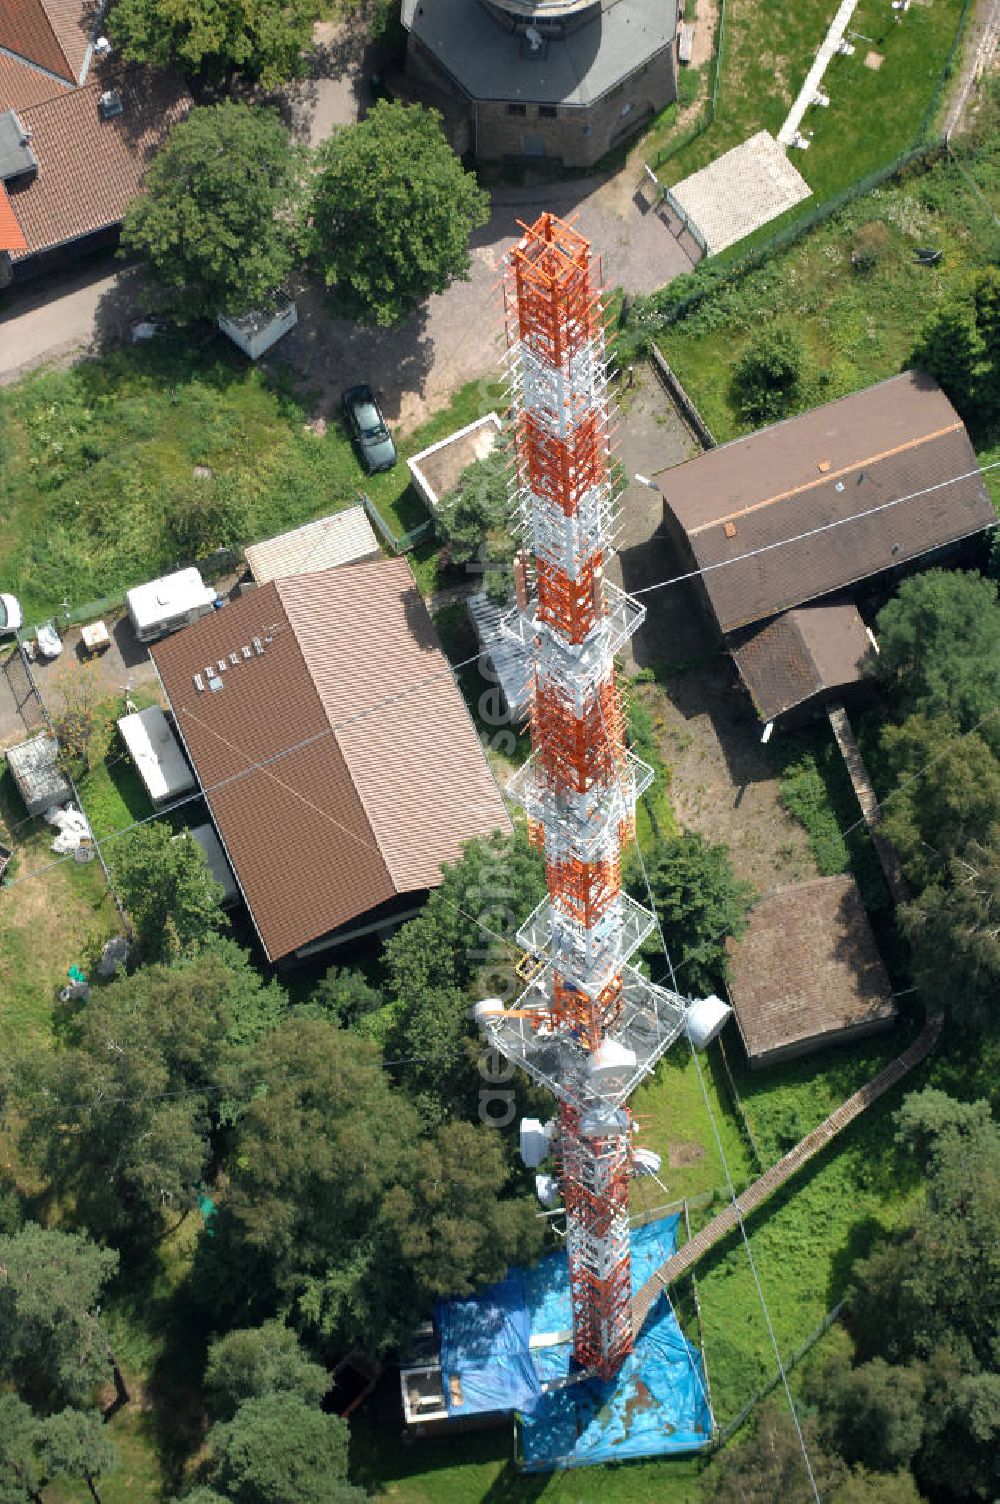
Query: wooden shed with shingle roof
x=807, y=973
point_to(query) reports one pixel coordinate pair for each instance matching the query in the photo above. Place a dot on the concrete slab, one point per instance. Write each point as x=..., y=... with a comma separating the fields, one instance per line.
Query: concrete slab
x=740, y=191
x=807, y=94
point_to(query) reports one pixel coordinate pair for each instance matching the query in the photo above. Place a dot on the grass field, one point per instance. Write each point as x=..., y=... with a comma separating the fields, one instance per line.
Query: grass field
x=768, y=48
x=856, y=329
x=46, y=924
x=97, y=483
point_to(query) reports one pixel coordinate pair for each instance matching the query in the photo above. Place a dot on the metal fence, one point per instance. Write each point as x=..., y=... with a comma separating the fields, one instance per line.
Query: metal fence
x=708, y=114
x=400, y=544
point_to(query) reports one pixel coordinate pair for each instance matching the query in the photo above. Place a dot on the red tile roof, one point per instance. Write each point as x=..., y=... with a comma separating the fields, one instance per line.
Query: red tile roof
x=11, y=237
x=387, y=779
x=89, y=168
x=848, y=457
x=51, y=33
x=21, y=84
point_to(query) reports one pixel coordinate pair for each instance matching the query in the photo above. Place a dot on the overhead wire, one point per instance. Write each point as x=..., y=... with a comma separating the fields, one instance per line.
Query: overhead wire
x=815, y=532
x=722, y=1155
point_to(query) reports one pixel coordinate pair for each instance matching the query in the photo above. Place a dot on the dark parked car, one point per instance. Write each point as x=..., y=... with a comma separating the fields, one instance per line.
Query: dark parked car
x=368, y=429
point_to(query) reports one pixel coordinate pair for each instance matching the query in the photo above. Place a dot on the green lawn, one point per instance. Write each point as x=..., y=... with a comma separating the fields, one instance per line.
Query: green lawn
x=97, y=483
x=857, y=329
x=46, y=923
x=873, y=115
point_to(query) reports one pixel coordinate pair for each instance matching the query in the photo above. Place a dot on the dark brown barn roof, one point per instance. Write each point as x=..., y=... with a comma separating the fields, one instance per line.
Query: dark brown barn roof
x=807, y=968
x=387, y=779
x=800, y=654
x=89, y=168
x=851, y=456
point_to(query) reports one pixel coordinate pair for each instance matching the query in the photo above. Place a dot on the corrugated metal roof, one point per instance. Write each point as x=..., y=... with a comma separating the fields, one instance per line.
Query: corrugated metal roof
x=387, y=779
x=807, y=967
x=800, y=654
x=342, y=538
x=830, y=464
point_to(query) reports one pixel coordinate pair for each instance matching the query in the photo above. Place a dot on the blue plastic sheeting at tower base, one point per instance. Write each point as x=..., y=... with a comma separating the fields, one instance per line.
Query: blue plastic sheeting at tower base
x=485, y=1342
x=503, y=1345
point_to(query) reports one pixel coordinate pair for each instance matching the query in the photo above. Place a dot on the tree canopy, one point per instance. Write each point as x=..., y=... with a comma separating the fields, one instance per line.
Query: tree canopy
x=960, y=347
x=767, y=381
x=277, y=1450
x=51, y=1342
x=215, y=224
x=939, y=648
x=929, y=1302
x=169, y=891
x=474, y=521
x=263, y=39
x=699, y=901
x=359, y=1217
x=120, y=1118
x=392, y=210
x=252, y=1363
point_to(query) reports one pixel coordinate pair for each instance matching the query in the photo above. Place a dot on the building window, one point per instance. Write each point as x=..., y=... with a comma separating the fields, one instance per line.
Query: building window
x=547, y=111
x=516, y=109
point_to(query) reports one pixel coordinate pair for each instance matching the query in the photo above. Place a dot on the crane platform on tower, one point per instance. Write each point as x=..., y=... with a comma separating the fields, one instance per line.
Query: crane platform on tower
x=589, y=1026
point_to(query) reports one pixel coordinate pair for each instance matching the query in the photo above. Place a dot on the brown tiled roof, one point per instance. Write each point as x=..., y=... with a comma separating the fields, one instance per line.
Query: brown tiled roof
x=46, y=32
x=389, y=781
x=22, y=85
x=852, y=455
x=89, y=168
x=11, y=238
x=800, y=654
x=807, y=968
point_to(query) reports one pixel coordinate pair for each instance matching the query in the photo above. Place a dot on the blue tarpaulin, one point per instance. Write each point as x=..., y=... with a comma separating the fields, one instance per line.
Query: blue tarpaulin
x=503, y=1345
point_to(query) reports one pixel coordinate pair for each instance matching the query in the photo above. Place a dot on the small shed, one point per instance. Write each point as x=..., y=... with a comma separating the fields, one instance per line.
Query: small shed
x=342, y=538
x=255, y=332
x=156, y=754
x=806, y=973
x=40, y=781
x=164, y=605
x=217, y=861
x=509, y=663
x=794, y=663
x=436, y=470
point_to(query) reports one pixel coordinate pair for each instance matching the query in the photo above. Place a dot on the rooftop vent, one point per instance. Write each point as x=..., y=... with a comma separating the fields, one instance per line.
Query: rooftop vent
x=110, y=104
x=823, y=466
x=729, y=528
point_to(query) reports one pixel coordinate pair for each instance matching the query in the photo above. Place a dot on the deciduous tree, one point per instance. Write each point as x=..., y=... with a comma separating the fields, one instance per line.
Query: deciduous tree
x=215, y=224
x=169, y=891
x=392, y=211
x=699, y=901
x=255, y=1362
x=263, y=39
x=474, y=521
x=767, y=379
x=278, y=1450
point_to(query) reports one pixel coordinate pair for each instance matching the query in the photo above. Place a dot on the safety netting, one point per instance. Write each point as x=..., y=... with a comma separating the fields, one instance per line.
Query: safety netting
x=510, y=1348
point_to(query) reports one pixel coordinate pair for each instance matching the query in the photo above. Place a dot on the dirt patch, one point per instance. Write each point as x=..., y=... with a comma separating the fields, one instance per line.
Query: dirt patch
x=724, y=783
x=706, y=19
x=682, y=1156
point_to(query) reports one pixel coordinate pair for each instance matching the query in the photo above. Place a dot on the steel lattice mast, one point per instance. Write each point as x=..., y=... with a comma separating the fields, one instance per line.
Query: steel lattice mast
x=589, y=1026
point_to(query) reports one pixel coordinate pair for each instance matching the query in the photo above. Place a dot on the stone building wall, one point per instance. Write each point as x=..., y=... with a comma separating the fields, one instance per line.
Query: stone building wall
x=575, y=135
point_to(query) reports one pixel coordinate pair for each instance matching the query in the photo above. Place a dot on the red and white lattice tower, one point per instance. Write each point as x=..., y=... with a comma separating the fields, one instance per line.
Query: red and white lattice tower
x=589, y=1026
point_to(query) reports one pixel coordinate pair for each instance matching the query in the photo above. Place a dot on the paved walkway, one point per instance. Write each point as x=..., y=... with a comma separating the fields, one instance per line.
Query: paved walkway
x=755, y=1195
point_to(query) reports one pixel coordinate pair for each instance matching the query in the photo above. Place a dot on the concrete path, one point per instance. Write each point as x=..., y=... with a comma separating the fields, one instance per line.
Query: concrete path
x=814, y=77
